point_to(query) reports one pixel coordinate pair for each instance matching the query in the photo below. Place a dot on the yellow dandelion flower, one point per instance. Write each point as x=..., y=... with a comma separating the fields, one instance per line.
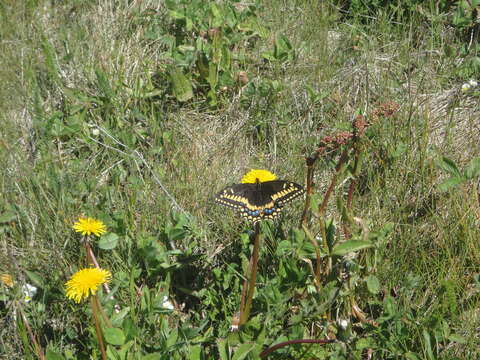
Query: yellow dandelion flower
x=88, y=226
x=85, y=282
x=255, y=175
x=6, y=279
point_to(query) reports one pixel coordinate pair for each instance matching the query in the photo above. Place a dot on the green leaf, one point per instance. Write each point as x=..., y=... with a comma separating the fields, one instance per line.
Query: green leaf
x=114, y=336
x=182, y=87
x=473, y=168
x=242, y=351
x=153, y=356
x=212, y=75
x=222, y=349
x=449, y=166
x=103, y=83
x=457, y=338
x=172, y=338
x=350, y=246
x=411, y=356
x=283, y=49
x=117, y=318
x=52, y=355
x=449, y=183
x=36, y=279
x=108, y=241
x=176, y=234
x=428, y=345
x=364, y=343
x=176, y=14
x=7, y=217
x=373, y=284
x=331, y=230
x=195, y=352
x=215, y=11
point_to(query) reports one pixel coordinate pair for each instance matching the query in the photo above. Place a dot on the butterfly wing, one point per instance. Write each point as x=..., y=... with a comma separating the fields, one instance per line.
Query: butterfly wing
x=259, y=201
x=282, y=191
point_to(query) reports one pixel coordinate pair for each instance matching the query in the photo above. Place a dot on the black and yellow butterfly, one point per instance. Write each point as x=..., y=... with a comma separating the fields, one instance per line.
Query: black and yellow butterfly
x=260, y=200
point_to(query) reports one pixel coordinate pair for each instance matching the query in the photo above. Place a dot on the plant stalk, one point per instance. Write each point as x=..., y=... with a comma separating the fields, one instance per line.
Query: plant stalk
x=98, y=329
x=245, y=312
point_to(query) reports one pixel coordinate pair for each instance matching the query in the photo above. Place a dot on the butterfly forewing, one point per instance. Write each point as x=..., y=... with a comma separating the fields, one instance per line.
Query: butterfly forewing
x=259, y=201
x=282, y=191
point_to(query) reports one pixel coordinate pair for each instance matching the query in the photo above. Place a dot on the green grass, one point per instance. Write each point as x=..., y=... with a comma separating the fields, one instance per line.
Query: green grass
x=91, y=125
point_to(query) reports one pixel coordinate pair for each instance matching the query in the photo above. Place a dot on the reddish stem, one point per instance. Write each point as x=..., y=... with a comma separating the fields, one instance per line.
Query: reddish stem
x=97, y=326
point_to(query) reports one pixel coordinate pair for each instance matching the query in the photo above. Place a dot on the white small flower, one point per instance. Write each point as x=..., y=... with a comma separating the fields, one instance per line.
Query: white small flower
x=95, y=132
x=343, y=324
x=473, y=83
x=29, y=291
x=167, y=304
x=466, y=87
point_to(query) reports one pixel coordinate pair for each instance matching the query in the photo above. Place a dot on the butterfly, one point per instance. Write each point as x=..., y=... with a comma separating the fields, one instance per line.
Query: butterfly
x=259, y=200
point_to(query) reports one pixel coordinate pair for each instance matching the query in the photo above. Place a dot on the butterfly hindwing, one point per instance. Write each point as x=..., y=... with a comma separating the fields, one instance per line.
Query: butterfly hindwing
x=259, y=201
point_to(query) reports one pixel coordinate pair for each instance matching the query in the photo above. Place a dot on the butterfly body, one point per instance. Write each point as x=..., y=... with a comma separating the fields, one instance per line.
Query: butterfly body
x=259, y=200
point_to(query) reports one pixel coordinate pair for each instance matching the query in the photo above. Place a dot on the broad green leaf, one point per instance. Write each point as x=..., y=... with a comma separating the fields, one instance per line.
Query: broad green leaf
x=268, y=55
x=331, y=230
x=212, y=74
x=202, y=66
x=283, y=49
x=428, y=345
x=124, y=349
x=7, y=217
x=215, y=11
x=172, y=338
x=350, y=246
x=242, y=351
x=176, y=14
x=36, y=279
x=153, y=356
x=117, y=318
x=411, y=356
x=449, y=183
x=457, y=338
x=373, y=284
x=52, y=355
x=188, y=23
x=449, y=166
x=182, y=87
x=473, y=168
x=108, y=241
x=364, y=343
x=195, y=352
x=222, y=349
x=114, y=336
x=176, y=234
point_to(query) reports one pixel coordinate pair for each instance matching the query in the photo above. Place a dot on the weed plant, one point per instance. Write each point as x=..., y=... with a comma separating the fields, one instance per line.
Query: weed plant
x=137, y=113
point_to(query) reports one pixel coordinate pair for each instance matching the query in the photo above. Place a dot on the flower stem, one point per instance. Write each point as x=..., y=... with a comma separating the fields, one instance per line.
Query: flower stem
x=92, y=260
x=309, y=191
x=318, y=265
x=245, y=312
x=94, y=304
